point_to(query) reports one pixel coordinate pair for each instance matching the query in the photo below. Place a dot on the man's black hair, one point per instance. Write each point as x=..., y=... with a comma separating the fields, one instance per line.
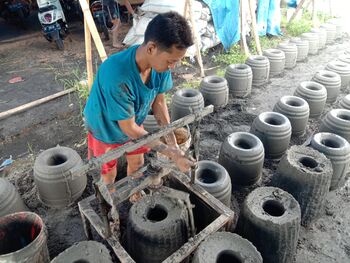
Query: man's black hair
x=169, y=29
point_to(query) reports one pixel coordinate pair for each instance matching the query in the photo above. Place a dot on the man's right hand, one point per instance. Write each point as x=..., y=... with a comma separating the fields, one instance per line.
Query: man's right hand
x=178, y=156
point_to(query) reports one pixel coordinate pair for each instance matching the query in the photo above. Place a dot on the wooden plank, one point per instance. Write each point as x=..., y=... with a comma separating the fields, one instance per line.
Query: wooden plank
x=133, y=145
x=93, y=30
x=244, y=46
x=184, y=251
x=94, y=219
x=195, y=37
x=88, y=53
x=300, y=5
x=32, y=104
x=120, y=252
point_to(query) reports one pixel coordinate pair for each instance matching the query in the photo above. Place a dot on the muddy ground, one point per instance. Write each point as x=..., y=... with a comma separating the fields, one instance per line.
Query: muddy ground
x=45, y=70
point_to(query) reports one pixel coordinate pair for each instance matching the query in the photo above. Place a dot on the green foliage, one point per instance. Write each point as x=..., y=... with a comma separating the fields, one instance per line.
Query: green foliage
x=297, y=27
x=234, y=56
x=220, y=72
x=74, y=79
x=265, y=43
x=190, y=84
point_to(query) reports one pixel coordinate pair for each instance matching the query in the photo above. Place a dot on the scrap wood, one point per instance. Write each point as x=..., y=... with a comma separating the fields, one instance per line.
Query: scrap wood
x=32, y=104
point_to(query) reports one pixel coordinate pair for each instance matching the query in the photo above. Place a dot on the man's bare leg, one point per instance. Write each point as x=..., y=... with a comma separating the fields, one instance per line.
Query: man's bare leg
x=129, y=7
x=135, y=162
x=109, y=177
x=115, y=33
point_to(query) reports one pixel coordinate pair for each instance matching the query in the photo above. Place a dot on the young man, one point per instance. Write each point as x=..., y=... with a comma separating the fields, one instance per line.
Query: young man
x=127, y=85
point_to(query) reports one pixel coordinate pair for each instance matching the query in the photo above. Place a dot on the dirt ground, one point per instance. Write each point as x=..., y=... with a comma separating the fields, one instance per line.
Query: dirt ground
x=24, y=135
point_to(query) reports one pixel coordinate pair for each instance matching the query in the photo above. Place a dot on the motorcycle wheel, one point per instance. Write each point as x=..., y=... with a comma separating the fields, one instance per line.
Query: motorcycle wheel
x=21, y=18
x=59, y=44
x=106, y=33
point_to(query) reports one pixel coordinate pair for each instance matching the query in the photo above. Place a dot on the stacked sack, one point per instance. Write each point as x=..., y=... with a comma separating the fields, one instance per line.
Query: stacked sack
x=150, y=8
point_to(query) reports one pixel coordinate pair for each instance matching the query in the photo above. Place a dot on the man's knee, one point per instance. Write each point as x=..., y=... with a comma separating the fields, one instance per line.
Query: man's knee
x=135, y=162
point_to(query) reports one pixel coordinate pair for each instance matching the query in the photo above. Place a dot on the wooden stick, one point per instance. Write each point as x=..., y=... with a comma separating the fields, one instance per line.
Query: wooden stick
x=133, y=145
x=93, y=30
x=196, y=37
x=314, y=14
x=244, y=46
x=32, y=104
x=296, y=11
x=254, y=27
x=88, y=53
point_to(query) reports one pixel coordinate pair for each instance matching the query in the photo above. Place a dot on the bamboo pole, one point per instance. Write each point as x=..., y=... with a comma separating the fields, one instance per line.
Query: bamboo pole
x=32, y=104
x=88, y=53
x=244, y=46
x=195, y=36
x=297, y=10
x=254, y=27
x=314, y=14
x=93, y=30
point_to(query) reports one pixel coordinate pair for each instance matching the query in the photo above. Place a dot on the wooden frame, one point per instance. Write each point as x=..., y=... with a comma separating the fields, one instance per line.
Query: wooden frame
x=129, y=185
x=91, y=219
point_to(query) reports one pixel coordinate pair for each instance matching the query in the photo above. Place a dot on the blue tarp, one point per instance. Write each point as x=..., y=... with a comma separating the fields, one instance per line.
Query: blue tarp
x=292, y=3
x=269, y=17
x=225, y=15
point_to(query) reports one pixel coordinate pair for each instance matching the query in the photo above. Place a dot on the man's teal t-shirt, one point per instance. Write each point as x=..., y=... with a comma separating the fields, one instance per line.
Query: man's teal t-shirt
x=118, y=93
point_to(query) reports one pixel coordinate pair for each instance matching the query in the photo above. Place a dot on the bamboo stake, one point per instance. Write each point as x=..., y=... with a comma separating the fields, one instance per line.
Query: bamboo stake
x=88, y=53
x=244, y=46
x=314, y=14
x=195, y=36
x=93, y=30
x=297, y=10
x=255, y=31
x=32, y=104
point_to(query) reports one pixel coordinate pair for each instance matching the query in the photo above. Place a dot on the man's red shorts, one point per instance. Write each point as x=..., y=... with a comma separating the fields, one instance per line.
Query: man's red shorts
x=97, y=148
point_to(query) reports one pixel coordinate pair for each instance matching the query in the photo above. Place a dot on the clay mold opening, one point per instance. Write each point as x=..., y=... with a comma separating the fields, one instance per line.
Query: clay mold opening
x=157, y=213
x=308, y=162
x=344, y=117
x=207, y=176
x=273, y=208
x=273, y=120
x=56, y=159
x=227, y=256
x=188, y=93
x=331, y=143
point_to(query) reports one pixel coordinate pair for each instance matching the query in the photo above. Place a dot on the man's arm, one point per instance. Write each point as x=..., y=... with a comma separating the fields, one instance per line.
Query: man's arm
x=161, y=114
x=133, y=131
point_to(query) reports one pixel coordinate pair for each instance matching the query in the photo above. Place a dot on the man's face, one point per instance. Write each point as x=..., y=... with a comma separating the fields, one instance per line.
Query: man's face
x=162, y=60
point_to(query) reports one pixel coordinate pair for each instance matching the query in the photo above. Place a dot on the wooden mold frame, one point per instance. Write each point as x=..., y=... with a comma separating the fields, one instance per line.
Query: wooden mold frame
x=108, y=229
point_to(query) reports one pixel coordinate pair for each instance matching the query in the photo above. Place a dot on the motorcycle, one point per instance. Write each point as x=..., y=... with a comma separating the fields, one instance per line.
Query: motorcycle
x=16, y=10
x=53, y=21
x=101, y=17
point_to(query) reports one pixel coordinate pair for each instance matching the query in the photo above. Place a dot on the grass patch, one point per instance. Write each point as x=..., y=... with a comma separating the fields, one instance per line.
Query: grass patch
x=220, y=72
x=265, y=43
x=296, y=28
x=190, y=84
x=234, y=56
x=74, y=79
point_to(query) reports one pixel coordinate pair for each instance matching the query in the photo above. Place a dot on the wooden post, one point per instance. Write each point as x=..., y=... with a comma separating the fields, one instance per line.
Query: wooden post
x=244, y=46
x=314, y=14
x=297, y=10
x=254, y=27
x=93, y=30
x=88, y=53
x=195, y=36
